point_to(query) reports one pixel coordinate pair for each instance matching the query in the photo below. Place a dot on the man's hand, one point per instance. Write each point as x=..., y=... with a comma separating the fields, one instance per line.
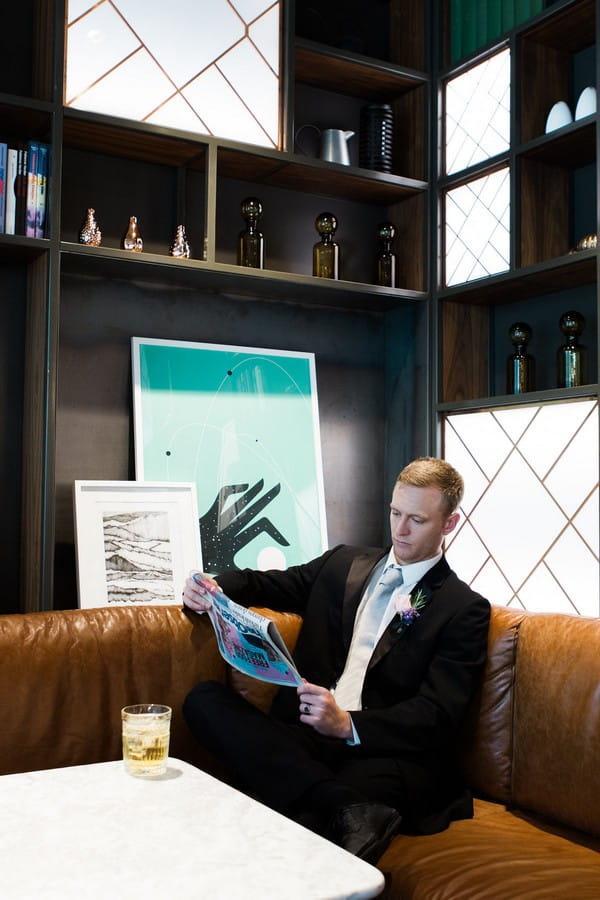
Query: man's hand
x=198, y=590
x=319, y=709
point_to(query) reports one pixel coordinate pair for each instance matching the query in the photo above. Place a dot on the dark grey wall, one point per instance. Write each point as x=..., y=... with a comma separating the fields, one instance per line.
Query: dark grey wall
x=365, y=366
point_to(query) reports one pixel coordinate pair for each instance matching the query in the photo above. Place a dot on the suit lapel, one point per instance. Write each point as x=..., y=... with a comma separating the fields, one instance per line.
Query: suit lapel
x=432, y=581
x=360, y=570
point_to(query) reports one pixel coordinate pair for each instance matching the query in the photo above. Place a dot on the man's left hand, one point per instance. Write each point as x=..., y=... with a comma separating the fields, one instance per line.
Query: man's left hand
x=319, y=709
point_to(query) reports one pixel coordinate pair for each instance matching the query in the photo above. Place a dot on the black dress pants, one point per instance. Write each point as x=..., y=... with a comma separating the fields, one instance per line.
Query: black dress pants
x=288, y=766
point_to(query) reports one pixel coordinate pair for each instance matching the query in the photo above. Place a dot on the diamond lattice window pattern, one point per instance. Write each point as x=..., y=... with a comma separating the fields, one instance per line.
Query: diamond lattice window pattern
x=528, y=536
x=477, y=113
x=210, y=67
x=477, y=228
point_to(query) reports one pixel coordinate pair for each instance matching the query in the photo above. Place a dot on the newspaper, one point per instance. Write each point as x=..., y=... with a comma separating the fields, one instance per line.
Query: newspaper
x=248, y=641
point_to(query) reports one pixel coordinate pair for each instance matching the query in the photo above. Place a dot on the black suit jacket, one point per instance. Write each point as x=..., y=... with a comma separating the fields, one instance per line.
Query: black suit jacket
x=418, y=683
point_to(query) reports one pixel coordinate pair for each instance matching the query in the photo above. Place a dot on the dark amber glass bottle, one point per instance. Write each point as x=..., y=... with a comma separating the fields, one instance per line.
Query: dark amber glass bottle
x=251, y=246
x=326, y=253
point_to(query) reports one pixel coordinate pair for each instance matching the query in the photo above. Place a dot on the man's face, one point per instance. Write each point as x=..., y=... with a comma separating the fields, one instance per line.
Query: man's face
x=418, y=523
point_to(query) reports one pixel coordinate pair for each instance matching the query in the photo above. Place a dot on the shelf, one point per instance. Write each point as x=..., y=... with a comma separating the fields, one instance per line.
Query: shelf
x=302, y=173
x=121, y=137
x=24, y=119
x=569, y=29
x=351, y=73
x=135, y=140
x=571, y=146
x=512, y=400
x=262, y=284
x=17, y=248
x=568, y=271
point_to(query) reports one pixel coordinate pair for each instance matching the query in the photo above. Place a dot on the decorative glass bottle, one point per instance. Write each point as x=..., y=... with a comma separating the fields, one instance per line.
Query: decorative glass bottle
x=571, y=357
x=520, y=374
x=90, y=233
x=251, y=246
x=180, y=246
x=326, y=253
x=386, y=260
x=133, y=239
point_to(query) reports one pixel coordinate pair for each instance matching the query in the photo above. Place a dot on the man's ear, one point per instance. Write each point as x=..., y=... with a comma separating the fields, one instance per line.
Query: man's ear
x=451, y=523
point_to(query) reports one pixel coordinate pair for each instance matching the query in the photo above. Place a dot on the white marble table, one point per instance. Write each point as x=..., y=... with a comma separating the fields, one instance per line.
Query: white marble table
x=95, y=832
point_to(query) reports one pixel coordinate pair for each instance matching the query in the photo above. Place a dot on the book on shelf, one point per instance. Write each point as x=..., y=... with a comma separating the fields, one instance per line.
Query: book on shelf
x=32, y=187
x=12, y=171
x=3, y=159
x=26, y=188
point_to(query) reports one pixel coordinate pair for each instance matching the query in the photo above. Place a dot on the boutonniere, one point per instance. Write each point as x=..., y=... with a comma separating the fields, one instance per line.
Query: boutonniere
x=408, y=608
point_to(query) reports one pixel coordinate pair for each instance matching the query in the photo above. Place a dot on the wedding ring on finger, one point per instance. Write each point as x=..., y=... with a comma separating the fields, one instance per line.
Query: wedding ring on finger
x=306, y=709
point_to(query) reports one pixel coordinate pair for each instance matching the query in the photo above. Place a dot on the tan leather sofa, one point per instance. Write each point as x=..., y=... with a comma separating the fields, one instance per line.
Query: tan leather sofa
x=531, y=746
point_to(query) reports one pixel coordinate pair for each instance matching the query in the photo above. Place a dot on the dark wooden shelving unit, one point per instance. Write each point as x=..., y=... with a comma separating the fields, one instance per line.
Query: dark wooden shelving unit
x=545, y=169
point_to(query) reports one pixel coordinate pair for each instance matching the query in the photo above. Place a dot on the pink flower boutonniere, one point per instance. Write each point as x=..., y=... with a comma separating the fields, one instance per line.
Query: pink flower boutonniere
x=408, y=609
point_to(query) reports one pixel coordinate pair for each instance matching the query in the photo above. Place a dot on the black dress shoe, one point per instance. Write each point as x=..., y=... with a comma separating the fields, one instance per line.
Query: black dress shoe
x=365, y=829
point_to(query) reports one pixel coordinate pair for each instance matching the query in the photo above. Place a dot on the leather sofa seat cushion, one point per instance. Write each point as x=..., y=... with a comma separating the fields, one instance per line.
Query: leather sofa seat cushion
x=497, y=855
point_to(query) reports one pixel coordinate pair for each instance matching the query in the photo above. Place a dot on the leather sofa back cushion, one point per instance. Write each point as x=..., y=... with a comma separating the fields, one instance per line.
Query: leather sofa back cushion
x=556, y=752
x=487, y=738
x=64, y=677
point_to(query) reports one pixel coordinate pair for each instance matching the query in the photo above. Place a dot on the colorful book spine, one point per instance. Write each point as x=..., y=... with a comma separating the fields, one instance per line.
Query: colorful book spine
x=21, y=191
x=12, y=171
x=42, y=190
x=3, y=158
x=32, y=183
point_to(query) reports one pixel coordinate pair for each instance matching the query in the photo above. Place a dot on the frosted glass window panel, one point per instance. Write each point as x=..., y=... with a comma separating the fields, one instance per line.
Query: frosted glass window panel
x=114, y=96
x=96, y=44
x=477, y=113
x=492, y=584
x=176, y=113
x=483, y=431
x=183, y=37
x=571, y=561
x=543, y=593
x=264, y=34
x=586, y=523
x=532, y=500
x=469, y=554
x=254, y=82
x=550, y=433
x=530, y=519
x=477, y=229
x=223, y=111
x=210, y=67
x=77, y=8
x=573, y=473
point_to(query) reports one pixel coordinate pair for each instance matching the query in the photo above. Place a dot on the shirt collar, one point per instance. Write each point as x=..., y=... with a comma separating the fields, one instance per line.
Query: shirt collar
x=412, y=572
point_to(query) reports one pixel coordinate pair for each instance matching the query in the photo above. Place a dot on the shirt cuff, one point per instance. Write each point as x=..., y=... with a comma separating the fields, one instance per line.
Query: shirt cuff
x=354, y=741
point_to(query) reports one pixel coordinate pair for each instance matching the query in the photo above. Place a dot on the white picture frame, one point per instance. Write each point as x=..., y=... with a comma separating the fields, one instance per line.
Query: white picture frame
x=135, y=542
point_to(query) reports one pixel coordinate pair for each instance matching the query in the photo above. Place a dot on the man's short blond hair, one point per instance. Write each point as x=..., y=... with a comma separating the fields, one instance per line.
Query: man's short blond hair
x=427, y=471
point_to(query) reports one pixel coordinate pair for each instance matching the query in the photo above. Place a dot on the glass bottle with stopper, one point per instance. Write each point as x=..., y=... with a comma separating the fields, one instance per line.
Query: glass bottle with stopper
x=520, y=372
x=386, y=260
x=571, y=358
x=133, y=239
x=326, y=253
x=251, y=244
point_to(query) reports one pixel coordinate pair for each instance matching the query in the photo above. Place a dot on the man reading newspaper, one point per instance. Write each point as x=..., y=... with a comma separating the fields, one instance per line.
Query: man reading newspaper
x=390, y=650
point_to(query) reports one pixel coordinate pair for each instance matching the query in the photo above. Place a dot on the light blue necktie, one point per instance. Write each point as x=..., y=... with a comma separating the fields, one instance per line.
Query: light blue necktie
x=349, y=688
